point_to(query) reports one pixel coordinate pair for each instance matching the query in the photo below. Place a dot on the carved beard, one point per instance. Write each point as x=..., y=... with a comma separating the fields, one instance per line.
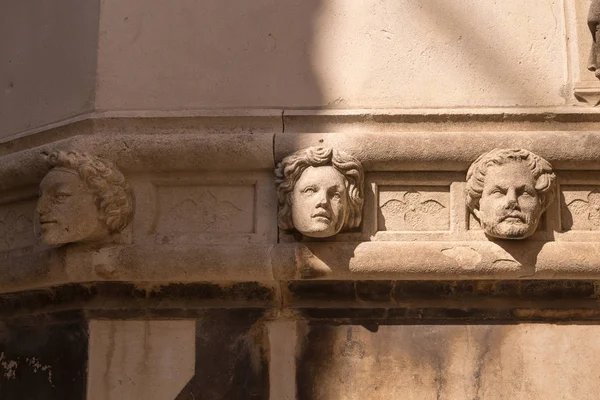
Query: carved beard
x=497, y=227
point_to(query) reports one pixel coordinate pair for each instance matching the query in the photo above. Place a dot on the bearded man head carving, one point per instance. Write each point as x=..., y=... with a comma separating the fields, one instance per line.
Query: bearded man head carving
x=320, y=192
x=508, y=190
x=82, y=199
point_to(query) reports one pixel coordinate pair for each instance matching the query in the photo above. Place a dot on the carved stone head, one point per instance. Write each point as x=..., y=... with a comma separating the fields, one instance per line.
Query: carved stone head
x=594, y=25
x=508, y=190
x=82, y=199
x=320, y=192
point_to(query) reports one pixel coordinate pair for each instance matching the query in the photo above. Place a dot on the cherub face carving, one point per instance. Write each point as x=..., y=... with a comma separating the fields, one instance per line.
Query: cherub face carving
x=319, y=202
x=508, y=190
x=320, y=192
x=66, y=209
x=83, y=198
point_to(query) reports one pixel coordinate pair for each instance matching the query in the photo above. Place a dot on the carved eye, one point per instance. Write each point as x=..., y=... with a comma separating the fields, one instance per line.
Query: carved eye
x=336, y=196
x=309, y=190
x=61, y=196
x=530, y=193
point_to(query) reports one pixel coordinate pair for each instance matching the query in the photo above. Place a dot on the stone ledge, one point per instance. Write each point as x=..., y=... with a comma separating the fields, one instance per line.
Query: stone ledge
x=249, y=121
x=434, y=151
x=147, y=153
x=136, y=264
x=438, y=151
x=381, y=302
x=438, y=261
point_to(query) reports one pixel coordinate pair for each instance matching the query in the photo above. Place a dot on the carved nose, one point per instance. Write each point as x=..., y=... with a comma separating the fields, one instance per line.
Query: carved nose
x=322, y=200
x=511, y=200
x=42, y=206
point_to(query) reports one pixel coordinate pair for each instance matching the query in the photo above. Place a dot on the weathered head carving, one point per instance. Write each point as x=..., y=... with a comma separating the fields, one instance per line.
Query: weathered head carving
x=82, y=198
x=320, y=192
x=594, y=25
x=508, y=190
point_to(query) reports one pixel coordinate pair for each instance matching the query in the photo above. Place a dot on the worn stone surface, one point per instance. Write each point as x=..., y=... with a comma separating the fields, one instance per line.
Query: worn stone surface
x=220, y=354
x=141, y=300
x=582, y=21
x=282, y=359
x=43, y=357
x=508, y=190
x=201, y=296
x=150, y=359
x=320, y=191
x=231, y=357
x=448, y=362
x=437, y=151
x=82, y=199
x=507, y=300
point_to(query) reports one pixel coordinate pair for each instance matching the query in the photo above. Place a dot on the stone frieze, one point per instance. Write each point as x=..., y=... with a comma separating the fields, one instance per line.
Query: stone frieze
x=199, y=220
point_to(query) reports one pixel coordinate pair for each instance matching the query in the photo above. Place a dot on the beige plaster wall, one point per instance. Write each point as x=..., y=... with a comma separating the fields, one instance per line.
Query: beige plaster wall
x=47, y=61
x=157, y=54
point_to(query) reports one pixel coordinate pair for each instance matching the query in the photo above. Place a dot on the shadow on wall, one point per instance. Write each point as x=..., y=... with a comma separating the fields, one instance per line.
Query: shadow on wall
x=206, y=54
x=47, y=61
x=438, y=53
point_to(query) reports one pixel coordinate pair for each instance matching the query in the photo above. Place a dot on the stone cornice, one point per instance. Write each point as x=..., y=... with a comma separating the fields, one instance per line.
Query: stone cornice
x=146, y=263
x=175, y=159
x=147, y=153
x=402, y=151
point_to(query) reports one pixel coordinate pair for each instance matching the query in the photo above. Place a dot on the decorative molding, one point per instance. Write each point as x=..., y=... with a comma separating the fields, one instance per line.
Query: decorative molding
x=588, y=93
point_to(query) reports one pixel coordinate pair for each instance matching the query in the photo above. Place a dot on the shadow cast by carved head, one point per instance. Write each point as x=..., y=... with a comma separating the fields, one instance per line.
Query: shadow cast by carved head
x=320, y=192
x=82, y=199
x=508, y=190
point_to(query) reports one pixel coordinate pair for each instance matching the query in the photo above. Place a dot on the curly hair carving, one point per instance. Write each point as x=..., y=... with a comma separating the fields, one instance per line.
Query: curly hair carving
x=290, y=169
x=111, y=191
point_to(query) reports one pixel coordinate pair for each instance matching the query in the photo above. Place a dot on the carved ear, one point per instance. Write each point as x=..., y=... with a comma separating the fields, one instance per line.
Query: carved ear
x=477, y=213
x=543, y=201
x=44, y=156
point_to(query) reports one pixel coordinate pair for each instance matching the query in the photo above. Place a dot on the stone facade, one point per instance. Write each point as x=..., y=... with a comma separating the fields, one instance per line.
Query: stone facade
x=299, y=200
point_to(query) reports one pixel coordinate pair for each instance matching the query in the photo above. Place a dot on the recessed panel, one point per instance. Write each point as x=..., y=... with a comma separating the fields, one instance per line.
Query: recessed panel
x=413, y=208
x=580, y=209
x=205, y=209
x=16, y=224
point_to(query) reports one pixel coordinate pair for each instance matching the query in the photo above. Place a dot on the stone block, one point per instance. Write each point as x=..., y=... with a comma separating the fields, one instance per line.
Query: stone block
x=420, y=362
x=231, y=357
x=17, y=222
x=219, y=355
x=140, y=359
